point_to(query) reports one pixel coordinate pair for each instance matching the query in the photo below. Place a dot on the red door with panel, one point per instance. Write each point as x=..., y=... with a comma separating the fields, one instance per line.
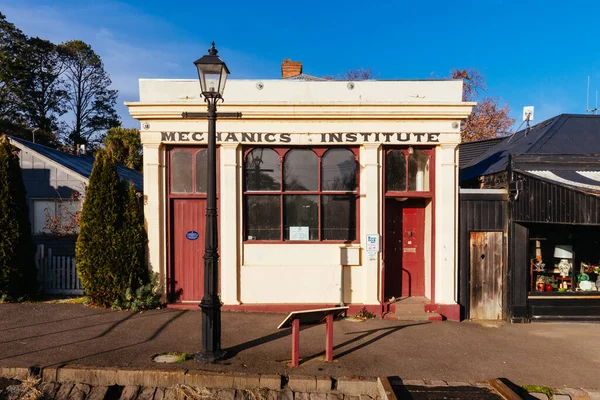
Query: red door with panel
x=413, y=260
x=189, y=221
x=404, y=250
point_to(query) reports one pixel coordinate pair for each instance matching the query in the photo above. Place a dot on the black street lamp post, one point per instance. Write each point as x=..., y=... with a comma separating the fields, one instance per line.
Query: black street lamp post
x=212, y=73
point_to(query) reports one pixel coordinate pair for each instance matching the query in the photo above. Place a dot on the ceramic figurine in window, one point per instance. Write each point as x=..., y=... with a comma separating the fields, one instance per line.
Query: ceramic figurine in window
x=539, y=266
x=564, y=267
x=565, y=253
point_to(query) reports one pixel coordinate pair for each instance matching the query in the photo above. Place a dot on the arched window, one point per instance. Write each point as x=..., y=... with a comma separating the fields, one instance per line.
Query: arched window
x=395, y=171
x=181, y=172
x=418, y=171
x=301, y=171
x=338, y=168
x=263, y=170
x=317, y=199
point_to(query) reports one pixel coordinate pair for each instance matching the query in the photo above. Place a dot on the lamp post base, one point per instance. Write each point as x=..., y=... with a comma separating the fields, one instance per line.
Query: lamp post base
x=209, y=358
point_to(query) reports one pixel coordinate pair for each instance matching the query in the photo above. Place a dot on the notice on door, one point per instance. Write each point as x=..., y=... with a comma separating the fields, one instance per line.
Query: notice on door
x=299, y=233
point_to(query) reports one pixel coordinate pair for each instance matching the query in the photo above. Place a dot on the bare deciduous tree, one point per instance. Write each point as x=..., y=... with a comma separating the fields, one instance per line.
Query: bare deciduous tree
x=489, y=118
x=357, y=74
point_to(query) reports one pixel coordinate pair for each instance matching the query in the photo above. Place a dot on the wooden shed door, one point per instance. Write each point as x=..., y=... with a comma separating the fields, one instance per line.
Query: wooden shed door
x=486, y=275
x=188, y=249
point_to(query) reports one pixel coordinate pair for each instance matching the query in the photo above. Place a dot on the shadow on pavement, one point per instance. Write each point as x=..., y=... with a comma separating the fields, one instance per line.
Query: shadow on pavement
x=364, y=334
x=112, y=327
x=53, y=321
x=235, y=350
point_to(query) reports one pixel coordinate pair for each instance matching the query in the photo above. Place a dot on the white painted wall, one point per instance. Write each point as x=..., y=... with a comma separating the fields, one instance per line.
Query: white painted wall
x=306, y=273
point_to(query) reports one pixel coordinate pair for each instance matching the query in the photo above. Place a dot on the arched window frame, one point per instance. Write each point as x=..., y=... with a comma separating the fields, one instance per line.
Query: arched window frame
x=430, y=152
x=320, y=152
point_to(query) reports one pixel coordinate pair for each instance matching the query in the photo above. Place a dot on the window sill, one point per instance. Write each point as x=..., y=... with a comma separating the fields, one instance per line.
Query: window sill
x=325, y=242
x=409, y=194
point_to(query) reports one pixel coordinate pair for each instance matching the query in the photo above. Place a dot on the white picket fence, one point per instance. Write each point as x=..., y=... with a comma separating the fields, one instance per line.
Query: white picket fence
x=57, y=275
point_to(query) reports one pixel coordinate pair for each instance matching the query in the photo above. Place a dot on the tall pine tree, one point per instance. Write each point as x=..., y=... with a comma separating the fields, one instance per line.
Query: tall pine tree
x=17, y=264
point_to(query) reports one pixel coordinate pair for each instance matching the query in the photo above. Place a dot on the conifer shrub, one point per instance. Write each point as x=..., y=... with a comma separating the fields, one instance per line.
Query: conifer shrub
x=17, y=264
x=133, y=241
x=110, y=249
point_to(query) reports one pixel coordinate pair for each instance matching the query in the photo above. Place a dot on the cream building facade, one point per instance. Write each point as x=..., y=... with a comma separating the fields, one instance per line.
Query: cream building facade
x=329, y=192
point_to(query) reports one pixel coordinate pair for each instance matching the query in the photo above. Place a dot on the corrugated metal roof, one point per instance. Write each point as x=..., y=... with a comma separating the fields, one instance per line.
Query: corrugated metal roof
x=304, y=77
x=563, y=134
x=588, y=180
x=81, y=164
x=469, y=151
x=594, y=175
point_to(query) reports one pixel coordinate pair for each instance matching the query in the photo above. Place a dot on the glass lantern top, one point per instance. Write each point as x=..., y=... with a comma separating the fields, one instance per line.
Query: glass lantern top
x=212, y=73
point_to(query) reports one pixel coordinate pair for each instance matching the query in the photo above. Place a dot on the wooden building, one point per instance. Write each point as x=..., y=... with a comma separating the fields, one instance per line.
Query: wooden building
x=55, y=182
x=527, y=203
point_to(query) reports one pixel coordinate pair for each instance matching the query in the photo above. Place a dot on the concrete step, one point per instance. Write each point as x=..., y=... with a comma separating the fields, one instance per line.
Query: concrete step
x=413, y=316
x=413, y=304
x=401, y=306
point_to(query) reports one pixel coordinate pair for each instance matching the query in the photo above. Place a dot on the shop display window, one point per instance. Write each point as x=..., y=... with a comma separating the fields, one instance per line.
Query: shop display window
x=564, y=260
x=301, y=194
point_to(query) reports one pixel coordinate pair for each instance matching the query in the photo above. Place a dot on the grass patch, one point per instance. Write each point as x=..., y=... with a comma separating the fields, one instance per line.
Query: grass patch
x=540, y=389
x=68, y=300
x=181, y=357
x=185, y=357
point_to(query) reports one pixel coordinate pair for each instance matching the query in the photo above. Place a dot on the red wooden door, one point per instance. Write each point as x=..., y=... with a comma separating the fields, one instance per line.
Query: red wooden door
x=413, y=256
x=393, y=249
x=404, y=251
x=188, y=262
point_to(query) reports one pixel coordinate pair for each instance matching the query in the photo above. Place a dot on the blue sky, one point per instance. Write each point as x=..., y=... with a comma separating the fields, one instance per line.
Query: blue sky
x=536, y=53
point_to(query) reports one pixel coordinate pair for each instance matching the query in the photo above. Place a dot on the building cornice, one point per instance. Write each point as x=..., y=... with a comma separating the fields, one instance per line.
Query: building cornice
x=308, y=111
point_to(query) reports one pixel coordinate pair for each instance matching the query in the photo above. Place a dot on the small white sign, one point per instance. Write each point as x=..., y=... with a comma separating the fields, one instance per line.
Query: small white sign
x=372, y=242
x=299, y=233
x=372, y=255
x=528, y=113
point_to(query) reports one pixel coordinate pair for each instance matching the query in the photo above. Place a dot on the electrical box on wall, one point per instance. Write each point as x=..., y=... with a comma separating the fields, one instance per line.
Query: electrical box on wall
x=350, y=256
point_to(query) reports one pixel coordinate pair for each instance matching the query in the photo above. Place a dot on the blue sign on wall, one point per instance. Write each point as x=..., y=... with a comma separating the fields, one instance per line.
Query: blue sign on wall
x=192, y=235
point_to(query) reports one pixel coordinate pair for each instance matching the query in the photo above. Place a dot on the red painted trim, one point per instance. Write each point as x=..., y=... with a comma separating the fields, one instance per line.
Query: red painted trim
x=316, y=242
x=410, y=195
x=382, y=241
x=169, y=283
x=448, y=311
x=295, y=342
x=430, y=151
x=432, y=181
x=329, y=338
x=320, y=152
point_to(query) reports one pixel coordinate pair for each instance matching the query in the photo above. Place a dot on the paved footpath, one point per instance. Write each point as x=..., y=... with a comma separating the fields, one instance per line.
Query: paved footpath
x=552, y=354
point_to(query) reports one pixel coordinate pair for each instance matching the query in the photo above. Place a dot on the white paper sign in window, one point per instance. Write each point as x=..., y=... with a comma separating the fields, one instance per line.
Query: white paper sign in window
x=299, y=233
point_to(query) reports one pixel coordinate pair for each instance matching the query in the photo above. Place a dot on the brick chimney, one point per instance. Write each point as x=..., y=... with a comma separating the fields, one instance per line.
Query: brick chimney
x=290, y=68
